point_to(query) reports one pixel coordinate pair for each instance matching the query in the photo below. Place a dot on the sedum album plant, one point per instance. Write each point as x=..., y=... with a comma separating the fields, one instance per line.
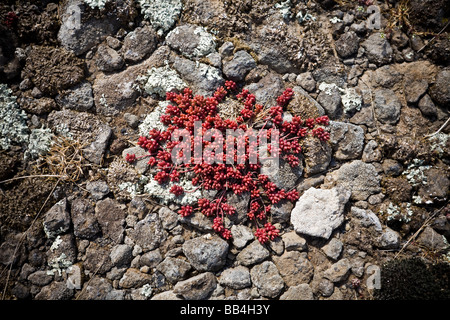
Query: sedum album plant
x=195, y=126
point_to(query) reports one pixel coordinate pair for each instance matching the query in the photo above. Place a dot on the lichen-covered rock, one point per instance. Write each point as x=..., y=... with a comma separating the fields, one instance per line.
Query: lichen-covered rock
x=191, y=41
x=57, y=219
x=108, y=59
x=111, y=218
x=79, y=98
x=347, y=44
x=162, y=14
x=319, y=211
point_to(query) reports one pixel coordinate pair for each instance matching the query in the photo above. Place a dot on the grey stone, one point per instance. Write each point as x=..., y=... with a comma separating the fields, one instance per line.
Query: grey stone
x=206, y=253
x=333, y=249
x=292, y=241
x=79, y=98
x=392, y=167
x=95, y=151
x=80, y=36
x=319, y=211
x=191, y=41
x=202, y=78
x=338, y=271
x=111, y=218
x=389, y=239
x=367, y=218
x=387, y=106
x=281, y=173
x=294, y=267
x=151, y=258
x=252, y=254
x=347, y=45
x=226, y=49
x=236, y=278
x=378, y=49
x=196, y=288
x=267, y=89
x=40, y=278
x=98, y=189
x=139, y=43
x=108, y=59
x=198, y=221
x=174, y=269
x=432, y=240
x=347, y=140
x=415, y=89
x=148, y=233
x=131, y=119
x=306, y=81
x=62, y=253
x=438, y=189
x=317, y=155
x=97, y=259
x=133, y=278
x=359, y=177
x=99, y=288
x=241, y=235
x=121, y=255
x=266, y=278
x=330, y=100
x=169, y=218
x=325, y=287
x=371, y=153
x=166, y=295
x=281, y=211
x=85, y=224
x=57, y=219
x=440, y=91
x=301, y=292
x=237, y=68
x=141, y=164
x=427, y=107
x=55, y=291
x=240, y=203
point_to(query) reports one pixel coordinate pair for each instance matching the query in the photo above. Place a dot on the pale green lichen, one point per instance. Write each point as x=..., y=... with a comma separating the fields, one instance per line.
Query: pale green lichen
x=162, y=14
x=415, y=173
x=438, y=142
x=39, y=143
x=350, y=99
x=394, y=212
x=285, y=9
x=13, y=120
x=59, y=264
x=161, y=80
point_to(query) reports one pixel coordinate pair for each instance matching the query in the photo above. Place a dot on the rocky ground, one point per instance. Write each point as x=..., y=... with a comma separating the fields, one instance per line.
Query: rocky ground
x=82, y=80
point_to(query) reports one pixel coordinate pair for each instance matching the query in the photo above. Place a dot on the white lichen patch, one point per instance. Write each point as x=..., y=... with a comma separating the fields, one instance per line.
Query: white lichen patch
x=350, y=99
x=152, y=120
x=39, y=143
x=161, y=192
x=96, y=3
x=285, y=9
x=13, y=120
x=415, y=173
x=438, y=142
x=161, y=80
x=59, y=264
x=395, y=213
x=162, y=14
x=206, y=44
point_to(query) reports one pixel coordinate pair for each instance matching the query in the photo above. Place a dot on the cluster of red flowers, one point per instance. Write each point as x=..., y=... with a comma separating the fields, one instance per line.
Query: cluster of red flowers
x=186, y=109
x=10, y=19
